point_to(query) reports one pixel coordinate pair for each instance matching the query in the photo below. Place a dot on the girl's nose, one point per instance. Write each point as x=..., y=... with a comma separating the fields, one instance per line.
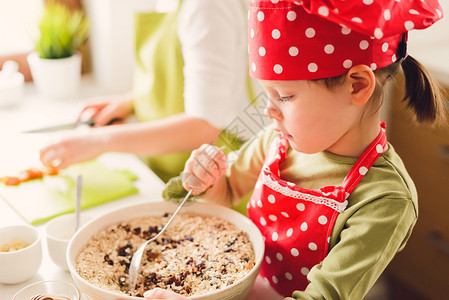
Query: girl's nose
x=271, y=111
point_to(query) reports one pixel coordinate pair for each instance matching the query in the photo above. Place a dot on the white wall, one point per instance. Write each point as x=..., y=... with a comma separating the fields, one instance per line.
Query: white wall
x=112, y=41
x=18, y=25
x=431, y=46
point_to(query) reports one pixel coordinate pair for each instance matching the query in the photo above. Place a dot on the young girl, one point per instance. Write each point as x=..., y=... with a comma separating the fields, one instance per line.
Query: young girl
x=329, y=194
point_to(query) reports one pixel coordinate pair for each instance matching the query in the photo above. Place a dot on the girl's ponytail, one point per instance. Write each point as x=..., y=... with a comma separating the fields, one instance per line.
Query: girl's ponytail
x=423, y=93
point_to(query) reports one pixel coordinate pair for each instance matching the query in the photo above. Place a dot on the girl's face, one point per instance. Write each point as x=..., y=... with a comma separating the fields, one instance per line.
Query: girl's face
x=313, y=117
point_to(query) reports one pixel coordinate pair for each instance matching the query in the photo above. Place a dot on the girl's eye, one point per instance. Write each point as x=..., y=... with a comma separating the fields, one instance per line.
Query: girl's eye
x=285, y=99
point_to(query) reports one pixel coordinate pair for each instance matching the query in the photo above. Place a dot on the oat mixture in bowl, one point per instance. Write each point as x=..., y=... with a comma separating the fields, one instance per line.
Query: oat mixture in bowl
x=207, y=252
x=195, y=255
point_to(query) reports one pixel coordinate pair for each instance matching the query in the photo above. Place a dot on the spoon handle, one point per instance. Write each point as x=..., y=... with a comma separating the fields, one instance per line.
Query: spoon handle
x=174, y=214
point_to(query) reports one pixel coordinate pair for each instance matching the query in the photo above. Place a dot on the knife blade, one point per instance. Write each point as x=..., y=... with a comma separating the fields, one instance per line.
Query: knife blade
x=89, y=122
x=73, y=125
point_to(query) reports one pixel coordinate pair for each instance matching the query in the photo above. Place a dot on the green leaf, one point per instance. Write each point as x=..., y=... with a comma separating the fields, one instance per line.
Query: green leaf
x=61, y=32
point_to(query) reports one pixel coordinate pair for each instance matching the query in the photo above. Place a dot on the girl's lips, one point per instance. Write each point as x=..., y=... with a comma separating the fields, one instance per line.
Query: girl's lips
x=283, y=133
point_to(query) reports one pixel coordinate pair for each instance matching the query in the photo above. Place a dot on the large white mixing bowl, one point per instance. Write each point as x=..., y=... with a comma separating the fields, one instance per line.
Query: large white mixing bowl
x=238, y=290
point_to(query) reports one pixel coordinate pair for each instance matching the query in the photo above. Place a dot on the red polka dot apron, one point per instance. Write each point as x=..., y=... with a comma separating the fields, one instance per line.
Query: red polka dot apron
x=297, y=223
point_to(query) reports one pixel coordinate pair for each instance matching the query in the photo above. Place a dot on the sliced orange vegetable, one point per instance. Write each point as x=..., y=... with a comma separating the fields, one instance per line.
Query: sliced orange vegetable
x=28, y=174
x=12, y=181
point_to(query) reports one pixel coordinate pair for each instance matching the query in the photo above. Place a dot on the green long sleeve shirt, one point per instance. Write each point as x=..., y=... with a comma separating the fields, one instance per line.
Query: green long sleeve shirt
x=381, y=213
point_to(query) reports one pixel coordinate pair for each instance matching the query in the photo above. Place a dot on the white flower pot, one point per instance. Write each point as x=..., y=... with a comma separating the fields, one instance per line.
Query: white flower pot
x=56, y=78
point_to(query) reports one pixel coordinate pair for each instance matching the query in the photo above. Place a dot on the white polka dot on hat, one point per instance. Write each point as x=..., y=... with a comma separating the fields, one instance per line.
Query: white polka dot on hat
x=311, y=39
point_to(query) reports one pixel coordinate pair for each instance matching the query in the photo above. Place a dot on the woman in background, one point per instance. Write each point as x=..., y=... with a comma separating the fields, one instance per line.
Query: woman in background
x=191, y=82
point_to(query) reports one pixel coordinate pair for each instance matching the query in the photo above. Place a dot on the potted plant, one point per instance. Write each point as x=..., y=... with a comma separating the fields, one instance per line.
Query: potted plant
x=56, y=62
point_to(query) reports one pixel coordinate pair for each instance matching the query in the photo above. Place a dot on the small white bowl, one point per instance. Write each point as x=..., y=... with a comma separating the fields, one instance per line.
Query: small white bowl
x=55, y=289
x=12, y=92
x=20, y=265
x=58, y=233
x=237, y=290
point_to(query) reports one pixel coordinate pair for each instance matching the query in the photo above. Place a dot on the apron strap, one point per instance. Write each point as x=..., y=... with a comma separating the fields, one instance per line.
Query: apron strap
x=365, y=161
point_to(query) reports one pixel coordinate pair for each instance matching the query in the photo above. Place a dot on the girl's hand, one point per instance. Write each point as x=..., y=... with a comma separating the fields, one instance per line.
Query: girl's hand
x=103, y=110
x=158, y=293
x=203, y=168
x=72, y=149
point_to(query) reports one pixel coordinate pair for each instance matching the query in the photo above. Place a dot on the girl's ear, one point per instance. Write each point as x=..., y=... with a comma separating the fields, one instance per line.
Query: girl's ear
x=361, y=82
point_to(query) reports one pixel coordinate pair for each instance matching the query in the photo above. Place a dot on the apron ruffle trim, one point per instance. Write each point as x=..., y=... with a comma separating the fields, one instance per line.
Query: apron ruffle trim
x=286, y=191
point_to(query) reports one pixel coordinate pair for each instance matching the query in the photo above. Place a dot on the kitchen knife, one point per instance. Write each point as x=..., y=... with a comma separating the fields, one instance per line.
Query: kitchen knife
x=73, y=125
x=89, y=122
x=86, y=118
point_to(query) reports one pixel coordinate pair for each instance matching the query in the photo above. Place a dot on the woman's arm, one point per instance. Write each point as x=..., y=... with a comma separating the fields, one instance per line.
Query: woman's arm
x=176, y=133
x=171, y=134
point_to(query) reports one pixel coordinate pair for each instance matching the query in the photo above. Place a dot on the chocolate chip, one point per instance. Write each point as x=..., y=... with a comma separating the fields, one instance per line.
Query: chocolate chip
x=230, y=243
x=166, y=215
x=170, y=280
x=108, y=260
x=178, y=281
x=125, y=227
x=151, y=279
x=151, y=255
x=184, y=274
x=137, y=230
x=125, y=250
x=166, y=241
x=124, y=263
x=122, y=281
x=153, y=229
x=198, y=268
x=167, y=247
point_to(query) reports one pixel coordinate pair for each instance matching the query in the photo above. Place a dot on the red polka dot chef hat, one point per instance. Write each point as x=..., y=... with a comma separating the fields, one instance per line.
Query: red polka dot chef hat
x=300, y=40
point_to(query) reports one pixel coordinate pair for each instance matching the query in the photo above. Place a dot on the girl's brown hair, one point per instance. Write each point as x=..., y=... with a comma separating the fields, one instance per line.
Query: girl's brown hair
x=423, y=94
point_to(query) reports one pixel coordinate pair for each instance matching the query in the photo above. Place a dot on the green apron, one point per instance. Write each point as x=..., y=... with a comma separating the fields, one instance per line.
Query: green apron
x=159, y=83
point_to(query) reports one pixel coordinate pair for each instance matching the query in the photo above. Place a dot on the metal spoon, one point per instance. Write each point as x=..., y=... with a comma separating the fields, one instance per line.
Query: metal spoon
x=137, y=257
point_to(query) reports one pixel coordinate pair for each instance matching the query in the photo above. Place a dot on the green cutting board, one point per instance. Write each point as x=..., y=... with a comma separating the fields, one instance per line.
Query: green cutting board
x=39, y=200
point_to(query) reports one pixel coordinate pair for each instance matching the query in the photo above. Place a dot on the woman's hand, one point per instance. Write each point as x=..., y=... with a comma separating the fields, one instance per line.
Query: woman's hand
x=75, y=148
x=203, y=168
x=106, y=109
x=158, y=293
